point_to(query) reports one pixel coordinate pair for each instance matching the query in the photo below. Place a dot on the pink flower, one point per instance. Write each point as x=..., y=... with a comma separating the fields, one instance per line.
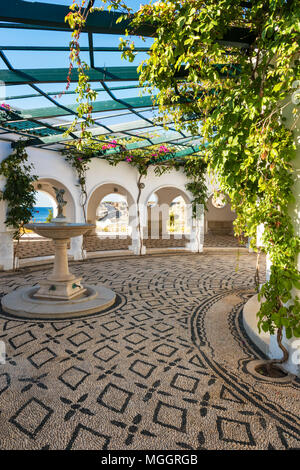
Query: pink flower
x=5, y=106
x=112, y=144
x=129, y=158
x=163, y=149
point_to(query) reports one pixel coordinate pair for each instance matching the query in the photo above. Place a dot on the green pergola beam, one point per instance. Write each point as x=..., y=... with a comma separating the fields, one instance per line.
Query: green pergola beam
x=166, y=137
x=53, y=15
x=59, y=75
x=67, y=49
x=107, y=74
x=31, y=27
x=98, y=106
x=56, y=93
x=96, y=131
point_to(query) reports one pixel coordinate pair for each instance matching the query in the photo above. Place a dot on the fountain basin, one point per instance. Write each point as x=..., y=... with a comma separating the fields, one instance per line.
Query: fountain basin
x=58, y=231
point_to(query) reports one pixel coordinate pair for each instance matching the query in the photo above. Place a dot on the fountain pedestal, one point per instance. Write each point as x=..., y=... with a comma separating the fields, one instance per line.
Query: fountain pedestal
x=61, y=284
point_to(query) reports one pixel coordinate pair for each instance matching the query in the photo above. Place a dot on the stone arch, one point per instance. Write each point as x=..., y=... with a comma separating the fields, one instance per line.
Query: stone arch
x=102, y=190
x=38, y=247
x=45, y=184
x=219, y=220
x=157, y=217
x=49, y=197
x=169, y=192
x=105, y=242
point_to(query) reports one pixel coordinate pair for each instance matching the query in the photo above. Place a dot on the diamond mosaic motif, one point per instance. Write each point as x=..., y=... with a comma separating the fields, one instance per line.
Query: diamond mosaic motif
x=21, y=339
x=4, y=382
x=83, y=433
x=184, y=383
x=170, y=416
x=114, y=398
x=106, y=353
x=31, y=417
x=73, y=377
x=165, y=350
x=135, y=338
x=79, y=338
x=231, y=430
x=41, y=357
x=142, y=368
x=112, y=325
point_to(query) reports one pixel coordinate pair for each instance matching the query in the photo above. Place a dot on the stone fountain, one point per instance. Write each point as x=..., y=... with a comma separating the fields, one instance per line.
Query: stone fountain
x=61, y=294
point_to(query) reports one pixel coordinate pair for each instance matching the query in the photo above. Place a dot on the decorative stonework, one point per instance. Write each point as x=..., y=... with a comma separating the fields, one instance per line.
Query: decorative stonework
x=166, y=369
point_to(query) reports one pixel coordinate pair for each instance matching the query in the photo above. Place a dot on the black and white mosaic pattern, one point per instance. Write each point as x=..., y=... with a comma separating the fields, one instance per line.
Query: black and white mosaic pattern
x=165, y=369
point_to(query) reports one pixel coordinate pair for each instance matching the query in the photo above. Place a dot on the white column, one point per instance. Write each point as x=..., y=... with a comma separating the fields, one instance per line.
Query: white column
x=137, y=246
x=6, y=251
x=76, y=248
x=196, y=224
x=6, y=239
x=76, y=243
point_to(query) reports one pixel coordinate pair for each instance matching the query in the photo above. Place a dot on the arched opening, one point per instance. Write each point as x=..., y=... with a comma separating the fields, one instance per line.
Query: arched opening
x=153, y=200
x=218, y=222
x=31, y=244
x=167, y=225
x=177, y=216
x=109, y=209
x=45, y=187
x=113, y=215
x=45, y=207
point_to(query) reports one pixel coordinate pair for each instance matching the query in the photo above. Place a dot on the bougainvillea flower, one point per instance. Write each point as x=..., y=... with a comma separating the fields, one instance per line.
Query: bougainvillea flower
x=163, y=149
x=5, y=106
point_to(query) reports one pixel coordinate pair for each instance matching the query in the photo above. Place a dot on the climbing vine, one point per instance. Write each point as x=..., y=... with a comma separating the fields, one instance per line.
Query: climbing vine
x=19, y=192
x=76, y=18
x=195, y=169
x=79, y=161
x=240, y=95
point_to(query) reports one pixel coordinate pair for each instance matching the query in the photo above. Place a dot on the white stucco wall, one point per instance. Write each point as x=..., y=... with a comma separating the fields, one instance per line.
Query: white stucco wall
x=52, y=170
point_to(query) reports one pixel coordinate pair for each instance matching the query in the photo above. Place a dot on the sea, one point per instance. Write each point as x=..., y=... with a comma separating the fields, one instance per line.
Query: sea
x=40, y=214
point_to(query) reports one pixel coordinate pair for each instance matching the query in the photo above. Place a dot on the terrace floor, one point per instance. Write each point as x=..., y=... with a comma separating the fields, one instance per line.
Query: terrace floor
x=163, y=369
x=35, y=246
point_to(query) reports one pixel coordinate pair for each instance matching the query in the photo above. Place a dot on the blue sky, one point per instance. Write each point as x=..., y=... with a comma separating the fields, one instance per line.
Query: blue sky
x=44, y=200
x=32, y=59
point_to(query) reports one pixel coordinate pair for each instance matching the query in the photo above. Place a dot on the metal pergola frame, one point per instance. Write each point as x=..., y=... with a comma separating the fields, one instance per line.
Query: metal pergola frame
x=33, y=124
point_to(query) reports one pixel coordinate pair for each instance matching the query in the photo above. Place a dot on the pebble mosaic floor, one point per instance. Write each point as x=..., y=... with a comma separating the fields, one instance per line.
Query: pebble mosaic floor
x=40, y=247
x=164, y=369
